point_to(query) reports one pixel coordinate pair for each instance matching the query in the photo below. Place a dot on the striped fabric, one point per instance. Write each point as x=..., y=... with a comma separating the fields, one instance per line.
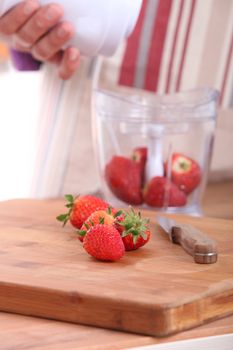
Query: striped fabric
x=176, y=45
x=64, y=159
x=181, y=44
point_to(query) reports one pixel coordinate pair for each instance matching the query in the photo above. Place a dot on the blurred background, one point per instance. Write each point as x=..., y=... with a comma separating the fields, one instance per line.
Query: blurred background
x=20, y=99
x=46, y=147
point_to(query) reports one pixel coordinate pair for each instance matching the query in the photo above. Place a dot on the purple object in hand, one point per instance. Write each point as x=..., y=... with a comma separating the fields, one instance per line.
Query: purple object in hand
x=24, y=61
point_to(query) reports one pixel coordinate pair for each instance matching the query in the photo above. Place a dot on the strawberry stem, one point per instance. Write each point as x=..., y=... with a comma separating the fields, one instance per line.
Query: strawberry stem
x=134, y=224
x=65, y=217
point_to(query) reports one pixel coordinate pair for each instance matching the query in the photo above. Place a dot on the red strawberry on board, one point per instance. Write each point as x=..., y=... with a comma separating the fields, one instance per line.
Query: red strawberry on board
x=104, y=242
x=107, y=217
x=134, y=229
x=123, y=177
x=160, y=192
x=80, y=208
x=185, y=172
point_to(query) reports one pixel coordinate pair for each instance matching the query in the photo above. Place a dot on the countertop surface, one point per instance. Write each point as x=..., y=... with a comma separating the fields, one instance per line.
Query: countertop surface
x=28, y=333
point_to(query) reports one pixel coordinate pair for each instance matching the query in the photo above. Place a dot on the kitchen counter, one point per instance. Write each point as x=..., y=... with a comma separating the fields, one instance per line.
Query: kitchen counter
x=21, y=332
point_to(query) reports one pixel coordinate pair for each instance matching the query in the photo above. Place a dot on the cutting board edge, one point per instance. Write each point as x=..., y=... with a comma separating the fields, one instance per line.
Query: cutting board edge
x=155, y=321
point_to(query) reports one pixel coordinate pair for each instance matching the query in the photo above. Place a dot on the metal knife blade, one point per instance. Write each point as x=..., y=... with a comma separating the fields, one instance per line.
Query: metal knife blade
x=194, y=242
x=166, y=224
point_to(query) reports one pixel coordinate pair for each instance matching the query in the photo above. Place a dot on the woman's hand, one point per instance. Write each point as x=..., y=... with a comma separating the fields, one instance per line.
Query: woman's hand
x=38, y=30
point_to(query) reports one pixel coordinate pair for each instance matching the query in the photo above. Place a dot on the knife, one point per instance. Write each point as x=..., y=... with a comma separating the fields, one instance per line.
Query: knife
x=196, y=243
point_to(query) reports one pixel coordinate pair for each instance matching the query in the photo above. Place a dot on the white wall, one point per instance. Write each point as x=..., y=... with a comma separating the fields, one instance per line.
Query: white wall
x=19, y=102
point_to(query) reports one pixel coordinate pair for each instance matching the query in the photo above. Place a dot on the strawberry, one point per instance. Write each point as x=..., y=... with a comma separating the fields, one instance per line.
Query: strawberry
x=123, y=177
x=185, y=172
x=161, y=192
x=140, y=156
x=80, y=208
x=106, y=217
x=134, y=229
x=104, y=242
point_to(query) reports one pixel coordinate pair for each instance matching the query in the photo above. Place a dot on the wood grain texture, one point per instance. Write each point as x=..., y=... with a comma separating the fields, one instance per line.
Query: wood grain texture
x=21, y=332
x=157, y=290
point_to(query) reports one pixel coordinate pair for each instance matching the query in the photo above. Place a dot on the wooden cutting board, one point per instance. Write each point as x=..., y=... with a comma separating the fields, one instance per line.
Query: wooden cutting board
x=157, y=290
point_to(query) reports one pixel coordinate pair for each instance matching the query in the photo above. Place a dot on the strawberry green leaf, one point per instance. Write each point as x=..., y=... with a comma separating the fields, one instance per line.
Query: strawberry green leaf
x=69, y=198
x=86, y=225
x=118, y=213
x=134, y=232
x=144, y=236
x=109, y=210
x=62, y=217
x=65, y=217
x=124, y=234
x=101, y=220
x=121, y=223
x=135, y=238
x=92, y=222
x=69, y=205
x=134, y=225
x=81, y=233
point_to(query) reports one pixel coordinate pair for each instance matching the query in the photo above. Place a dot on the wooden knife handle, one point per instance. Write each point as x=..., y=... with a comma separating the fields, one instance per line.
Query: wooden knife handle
x=196, y=243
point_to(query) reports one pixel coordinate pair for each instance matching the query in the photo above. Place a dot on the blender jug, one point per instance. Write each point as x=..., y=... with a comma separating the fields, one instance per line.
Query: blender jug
x=154, y=151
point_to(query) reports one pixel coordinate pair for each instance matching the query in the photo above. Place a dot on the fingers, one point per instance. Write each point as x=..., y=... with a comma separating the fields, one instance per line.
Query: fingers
x=15, y=18
x=69, y=63
x=39, y=31
x=53, y=41
x=38, y=25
